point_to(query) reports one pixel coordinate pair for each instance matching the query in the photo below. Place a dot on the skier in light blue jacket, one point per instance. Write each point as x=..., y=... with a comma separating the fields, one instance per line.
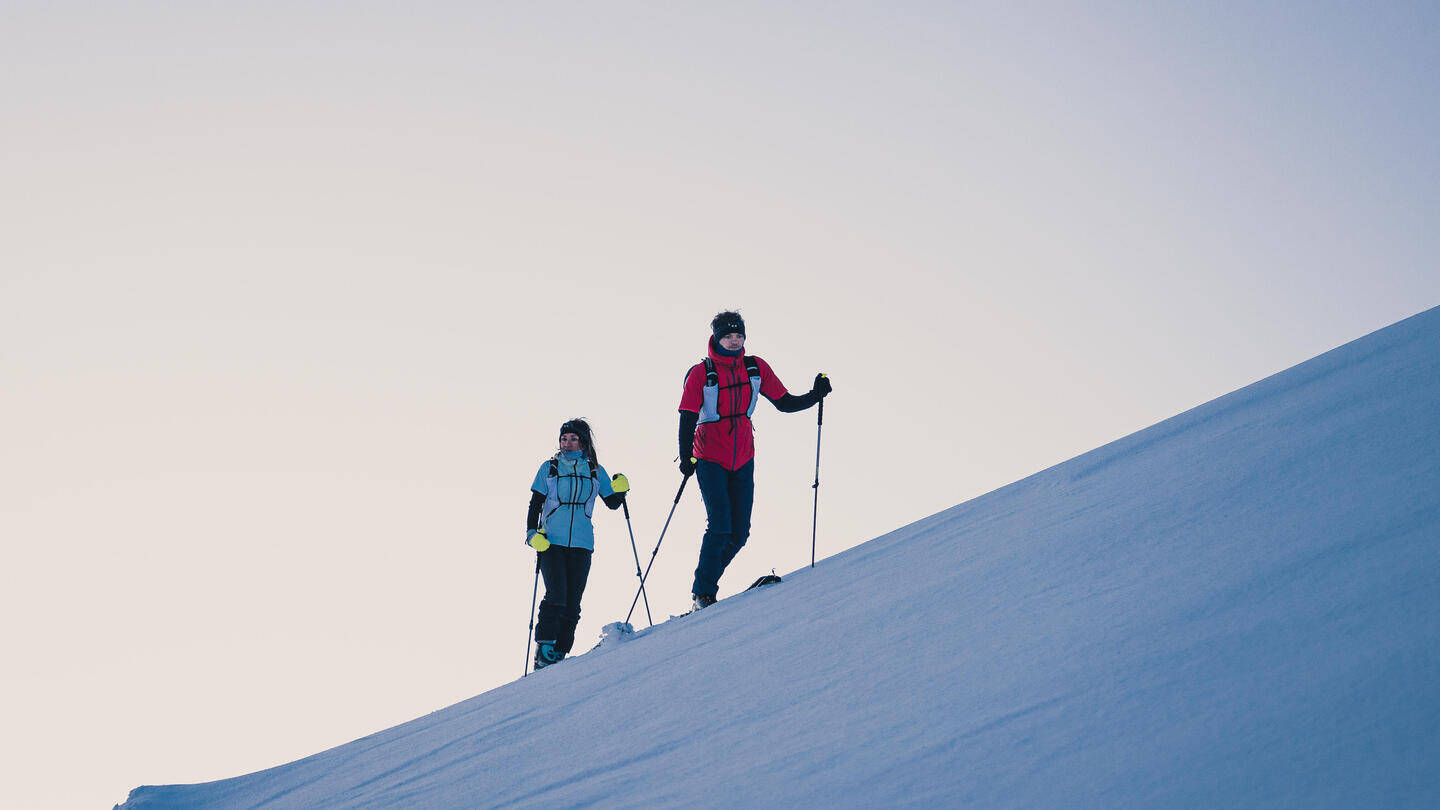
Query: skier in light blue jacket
x=562, y=500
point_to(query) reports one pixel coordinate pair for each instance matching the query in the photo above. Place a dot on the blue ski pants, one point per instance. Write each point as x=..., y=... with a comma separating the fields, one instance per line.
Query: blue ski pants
x=729, y=496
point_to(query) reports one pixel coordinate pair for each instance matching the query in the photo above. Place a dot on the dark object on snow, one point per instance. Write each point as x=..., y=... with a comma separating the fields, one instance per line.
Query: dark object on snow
x=768, y=579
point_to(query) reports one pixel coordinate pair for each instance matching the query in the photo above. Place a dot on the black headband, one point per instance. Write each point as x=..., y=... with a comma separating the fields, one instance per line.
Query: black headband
x=721, y=328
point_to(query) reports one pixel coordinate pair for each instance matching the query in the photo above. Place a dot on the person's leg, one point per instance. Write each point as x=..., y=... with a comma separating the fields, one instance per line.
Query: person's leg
x=552, y=606
x=713, y=488
x=741, y=488
x=577, y=572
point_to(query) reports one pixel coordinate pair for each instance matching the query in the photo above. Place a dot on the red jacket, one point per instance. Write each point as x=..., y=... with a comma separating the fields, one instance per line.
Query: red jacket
x=729, y=442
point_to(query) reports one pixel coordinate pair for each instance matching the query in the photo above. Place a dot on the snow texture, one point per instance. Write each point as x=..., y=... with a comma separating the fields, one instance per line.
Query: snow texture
x=1239, y=606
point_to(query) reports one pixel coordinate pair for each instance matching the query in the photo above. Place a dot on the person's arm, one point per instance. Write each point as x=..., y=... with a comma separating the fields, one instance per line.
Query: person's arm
x=789, y=403
x=688, y=420
x=532, y=520
x=690, y=400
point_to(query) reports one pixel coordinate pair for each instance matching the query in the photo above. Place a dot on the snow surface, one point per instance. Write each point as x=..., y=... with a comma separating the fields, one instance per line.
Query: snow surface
x=1239, y=606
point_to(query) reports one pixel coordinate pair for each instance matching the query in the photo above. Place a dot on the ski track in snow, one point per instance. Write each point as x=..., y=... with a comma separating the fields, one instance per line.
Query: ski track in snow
x=1237, y=606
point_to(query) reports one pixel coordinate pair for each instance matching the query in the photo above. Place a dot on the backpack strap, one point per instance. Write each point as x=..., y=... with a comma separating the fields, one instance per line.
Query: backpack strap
x=752, y=369
x=554, y=477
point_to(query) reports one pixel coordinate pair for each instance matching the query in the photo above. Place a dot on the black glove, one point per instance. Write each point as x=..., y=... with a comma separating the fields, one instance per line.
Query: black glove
x=822, y=386
x=687, y=466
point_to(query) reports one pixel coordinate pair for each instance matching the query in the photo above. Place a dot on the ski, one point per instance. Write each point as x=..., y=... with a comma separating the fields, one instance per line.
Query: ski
x=769, y=579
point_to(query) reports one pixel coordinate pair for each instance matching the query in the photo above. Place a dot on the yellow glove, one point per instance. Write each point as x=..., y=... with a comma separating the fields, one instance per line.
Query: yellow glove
x=538, y=540
x=619, y=482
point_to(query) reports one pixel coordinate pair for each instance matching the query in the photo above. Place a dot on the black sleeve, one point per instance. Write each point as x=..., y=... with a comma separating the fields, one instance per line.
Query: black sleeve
x=614, y=499
x=688, y=420
x=791, y=403
x=537, y=501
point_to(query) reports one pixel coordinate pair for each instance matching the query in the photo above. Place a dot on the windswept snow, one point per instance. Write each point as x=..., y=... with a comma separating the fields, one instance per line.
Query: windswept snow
x=1239, y=606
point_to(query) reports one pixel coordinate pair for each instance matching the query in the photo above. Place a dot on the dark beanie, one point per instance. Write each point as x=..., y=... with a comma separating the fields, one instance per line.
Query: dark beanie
x=580, y=428
x=727, y=322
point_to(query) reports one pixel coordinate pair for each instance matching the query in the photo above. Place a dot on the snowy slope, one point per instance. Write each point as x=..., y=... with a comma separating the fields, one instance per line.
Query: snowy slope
x=1239, y=606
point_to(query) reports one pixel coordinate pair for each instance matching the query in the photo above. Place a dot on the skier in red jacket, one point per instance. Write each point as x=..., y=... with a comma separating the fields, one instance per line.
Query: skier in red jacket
x=720, y=394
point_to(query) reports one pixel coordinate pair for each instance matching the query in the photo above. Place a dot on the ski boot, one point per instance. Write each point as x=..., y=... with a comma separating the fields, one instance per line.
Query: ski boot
x=546, y=654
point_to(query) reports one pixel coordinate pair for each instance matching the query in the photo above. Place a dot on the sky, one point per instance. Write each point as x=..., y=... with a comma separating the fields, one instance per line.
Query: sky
x=1233, y=608
x=294, y=297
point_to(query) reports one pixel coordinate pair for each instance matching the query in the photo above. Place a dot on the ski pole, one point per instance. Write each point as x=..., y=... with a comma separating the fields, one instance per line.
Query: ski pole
x=815, y=513
x=678, y=493
x=636, y=552
x=530, y=635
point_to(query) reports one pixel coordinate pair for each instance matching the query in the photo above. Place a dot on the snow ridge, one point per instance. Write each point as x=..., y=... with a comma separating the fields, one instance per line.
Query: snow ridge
x=1237, y=606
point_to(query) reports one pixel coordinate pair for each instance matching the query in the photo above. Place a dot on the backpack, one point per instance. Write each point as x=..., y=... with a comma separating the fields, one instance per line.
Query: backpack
x=552, y=481
x=710, y=402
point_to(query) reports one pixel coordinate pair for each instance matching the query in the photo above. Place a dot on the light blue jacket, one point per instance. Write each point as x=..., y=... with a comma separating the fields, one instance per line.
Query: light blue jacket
x=570, y=498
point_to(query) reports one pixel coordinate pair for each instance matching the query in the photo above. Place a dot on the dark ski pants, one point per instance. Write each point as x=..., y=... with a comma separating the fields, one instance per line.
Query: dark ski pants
x=565, y=571
x=729, y=495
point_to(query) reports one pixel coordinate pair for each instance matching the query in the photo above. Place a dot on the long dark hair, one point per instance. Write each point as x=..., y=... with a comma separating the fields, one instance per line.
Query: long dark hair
x=581, y=428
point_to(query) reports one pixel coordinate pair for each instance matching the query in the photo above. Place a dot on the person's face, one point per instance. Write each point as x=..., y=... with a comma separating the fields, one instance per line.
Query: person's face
x=569, y=441
x=733, y=342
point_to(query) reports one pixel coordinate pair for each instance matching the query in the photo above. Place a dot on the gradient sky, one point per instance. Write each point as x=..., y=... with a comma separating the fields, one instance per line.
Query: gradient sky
x=293, y=298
